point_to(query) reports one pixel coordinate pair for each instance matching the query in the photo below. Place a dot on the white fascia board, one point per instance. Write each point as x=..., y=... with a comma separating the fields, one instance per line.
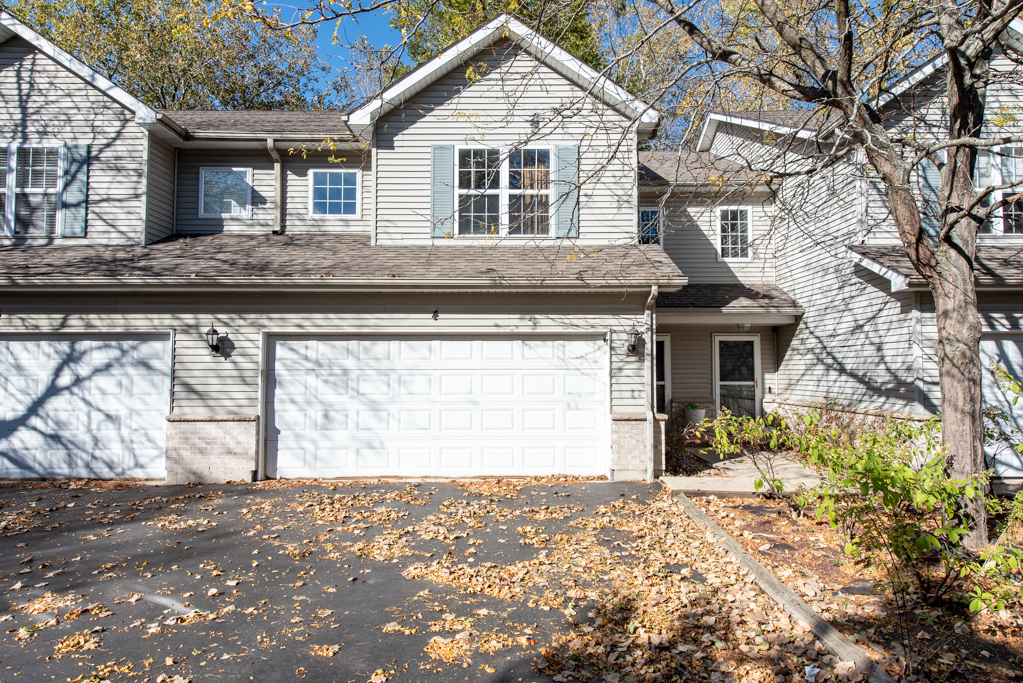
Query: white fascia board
x=913, y=78
x=898, y=281
x=143, y=114
x=328, y=284
x=539, y=47
x=710, y=130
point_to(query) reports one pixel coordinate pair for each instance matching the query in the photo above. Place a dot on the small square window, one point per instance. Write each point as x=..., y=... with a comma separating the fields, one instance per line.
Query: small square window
x=649, y=226
x=335, y=193
x=225, y=192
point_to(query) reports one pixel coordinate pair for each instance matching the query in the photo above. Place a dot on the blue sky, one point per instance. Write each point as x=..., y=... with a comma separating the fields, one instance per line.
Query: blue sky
x=373, y=26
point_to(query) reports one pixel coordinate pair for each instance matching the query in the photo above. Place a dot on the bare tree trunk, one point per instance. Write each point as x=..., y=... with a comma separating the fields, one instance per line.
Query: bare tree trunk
x=960, y=369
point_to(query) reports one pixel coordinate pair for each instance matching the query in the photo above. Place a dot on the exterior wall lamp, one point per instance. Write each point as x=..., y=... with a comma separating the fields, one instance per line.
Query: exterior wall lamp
x=213, y=339
x=743, y=327
x=632, y=342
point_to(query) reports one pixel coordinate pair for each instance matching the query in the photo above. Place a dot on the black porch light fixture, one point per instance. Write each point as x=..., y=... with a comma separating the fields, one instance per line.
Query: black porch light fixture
x=213, y=339
x=632, y=341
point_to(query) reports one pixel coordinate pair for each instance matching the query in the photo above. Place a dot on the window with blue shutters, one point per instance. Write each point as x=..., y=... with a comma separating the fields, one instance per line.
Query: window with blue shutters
x=334, y=194
x=43, y=189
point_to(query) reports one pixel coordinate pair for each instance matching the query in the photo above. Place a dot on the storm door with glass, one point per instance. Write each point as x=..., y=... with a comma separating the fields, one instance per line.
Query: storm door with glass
x=737, y=373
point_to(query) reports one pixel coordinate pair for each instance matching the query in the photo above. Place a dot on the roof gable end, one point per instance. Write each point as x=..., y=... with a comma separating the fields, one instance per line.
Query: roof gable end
x=11, y=27
x=543, y=50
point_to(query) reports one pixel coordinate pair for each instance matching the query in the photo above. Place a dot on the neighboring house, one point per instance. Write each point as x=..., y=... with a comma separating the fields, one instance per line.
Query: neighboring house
x=863, y=334
x=447, y=281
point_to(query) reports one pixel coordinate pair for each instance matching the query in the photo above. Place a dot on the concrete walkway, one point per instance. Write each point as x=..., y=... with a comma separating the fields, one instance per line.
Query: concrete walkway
x=735, y=477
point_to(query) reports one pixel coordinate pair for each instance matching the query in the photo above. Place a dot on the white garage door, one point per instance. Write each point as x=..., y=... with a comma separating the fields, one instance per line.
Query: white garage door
x=436, y=407
x=1007, y=350
x=78, y=407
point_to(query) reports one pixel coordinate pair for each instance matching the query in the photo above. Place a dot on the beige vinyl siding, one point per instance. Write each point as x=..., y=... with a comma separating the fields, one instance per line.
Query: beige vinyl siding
x=854, y=343
x=160, y=191
x=296, y=188
x=190, y=162
x=692, y=361
x=497, y=110
x=40, y=100
x=691, y=238
x=206, y=384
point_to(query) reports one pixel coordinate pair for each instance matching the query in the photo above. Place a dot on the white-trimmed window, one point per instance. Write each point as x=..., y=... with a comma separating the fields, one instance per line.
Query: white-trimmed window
x=734, y=233
x=36, y=189
x=651, y=225
x=1000, y=166
x=333, y=193
x=503, y=193
x=225, y=192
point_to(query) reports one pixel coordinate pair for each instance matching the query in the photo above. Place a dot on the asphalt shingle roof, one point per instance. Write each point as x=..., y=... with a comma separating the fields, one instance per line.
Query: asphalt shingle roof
x=243, y=257
x=687, y=168
x=728, y=296
x=252, y=121
x=994, y=264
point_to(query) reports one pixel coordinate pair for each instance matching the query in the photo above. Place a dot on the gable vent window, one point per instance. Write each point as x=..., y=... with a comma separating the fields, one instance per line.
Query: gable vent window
x=36, y=188
x=734, y=229
x=650, y=225
x=335, y=193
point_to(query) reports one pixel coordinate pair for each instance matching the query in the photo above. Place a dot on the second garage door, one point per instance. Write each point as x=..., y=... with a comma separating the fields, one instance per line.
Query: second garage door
x=436, y=407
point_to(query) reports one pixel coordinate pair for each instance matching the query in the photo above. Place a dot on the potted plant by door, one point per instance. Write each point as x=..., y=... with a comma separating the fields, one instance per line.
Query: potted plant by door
x=695, y=415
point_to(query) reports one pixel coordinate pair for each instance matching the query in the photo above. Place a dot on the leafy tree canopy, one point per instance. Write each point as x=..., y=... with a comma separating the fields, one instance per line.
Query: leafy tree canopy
x=430, y=27
x=172, y=54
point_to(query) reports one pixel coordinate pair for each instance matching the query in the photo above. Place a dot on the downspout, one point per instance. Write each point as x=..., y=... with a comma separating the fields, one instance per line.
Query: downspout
x=278, y=186
x=649, y=324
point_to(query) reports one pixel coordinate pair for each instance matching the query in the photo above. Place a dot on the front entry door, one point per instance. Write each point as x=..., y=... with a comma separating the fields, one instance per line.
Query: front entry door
x=737, y=373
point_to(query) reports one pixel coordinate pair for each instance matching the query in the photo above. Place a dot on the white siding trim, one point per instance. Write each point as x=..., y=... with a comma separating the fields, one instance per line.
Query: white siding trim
x=899, y=281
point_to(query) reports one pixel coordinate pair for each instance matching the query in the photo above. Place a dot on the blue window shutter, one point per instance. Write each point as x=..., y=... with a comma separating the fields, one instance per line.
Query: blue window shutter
x=930, y=184
x=442, y=190
x=76, y=190
x=566, y=186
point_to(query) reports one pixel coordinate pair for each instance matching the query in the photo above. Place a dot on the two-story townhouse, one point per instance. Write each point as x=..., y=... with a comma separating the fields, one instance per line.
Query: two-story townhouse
x=866, y=338
x=447, y=281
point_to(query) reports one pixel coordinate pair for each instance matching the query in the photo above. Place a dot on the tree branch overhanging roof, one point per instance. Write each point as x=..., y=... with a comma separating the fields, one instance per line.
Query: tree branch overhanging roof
x=11, y=27
x=502, y=27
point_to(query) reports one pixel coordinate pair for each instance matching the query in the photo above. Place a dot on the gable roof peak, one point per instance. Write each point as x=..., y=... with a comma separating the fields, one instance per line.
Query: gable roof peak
x=10, y=27
x=506, y=26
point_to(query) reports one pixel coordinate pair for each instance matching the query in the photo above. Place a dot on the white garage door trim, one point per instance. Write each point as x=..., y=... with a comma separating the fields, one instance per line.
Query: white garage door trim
x=598, y=367
x=122, y=434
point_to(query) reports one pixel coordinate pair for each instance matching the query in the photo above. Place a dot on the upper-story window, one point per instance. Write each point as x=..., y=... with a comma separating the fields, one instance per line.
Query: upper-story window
x=334, y=193
x=650, y=228
x=504, y=195
x=225, y=192
x=1004, y=165
x=36, y=188
x=734, y=233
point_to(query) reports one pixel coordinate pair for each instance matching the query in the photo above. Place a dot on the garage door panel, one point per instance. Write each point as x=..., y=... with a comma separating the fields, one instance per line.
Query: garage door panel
x=84, y=407
x=440, y=407
x=1008, y=352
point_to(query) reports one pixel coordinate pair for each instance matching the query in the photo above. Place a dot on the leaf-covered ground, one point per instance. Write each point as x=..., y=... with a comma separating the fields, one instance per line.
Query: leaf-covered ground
x=525, y=580
x=946, y=643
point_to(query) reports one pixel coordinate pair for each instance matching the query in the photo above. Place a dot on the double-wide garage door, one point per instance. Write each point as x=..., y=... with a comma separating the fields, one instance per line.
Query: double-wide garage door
x=1008, y=351
x=436, y=407
x=83, y=407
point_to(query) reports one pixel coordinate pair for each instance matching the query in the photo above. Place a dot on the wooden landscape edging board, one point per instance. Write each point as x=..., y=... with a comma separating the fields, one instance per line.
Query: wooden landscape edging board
x=830, y=637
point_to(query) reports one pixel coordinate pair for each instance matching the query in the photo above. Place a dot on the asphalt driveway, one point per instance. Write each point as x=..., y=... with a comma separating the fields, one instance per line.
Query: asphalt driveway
x=337, y=582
